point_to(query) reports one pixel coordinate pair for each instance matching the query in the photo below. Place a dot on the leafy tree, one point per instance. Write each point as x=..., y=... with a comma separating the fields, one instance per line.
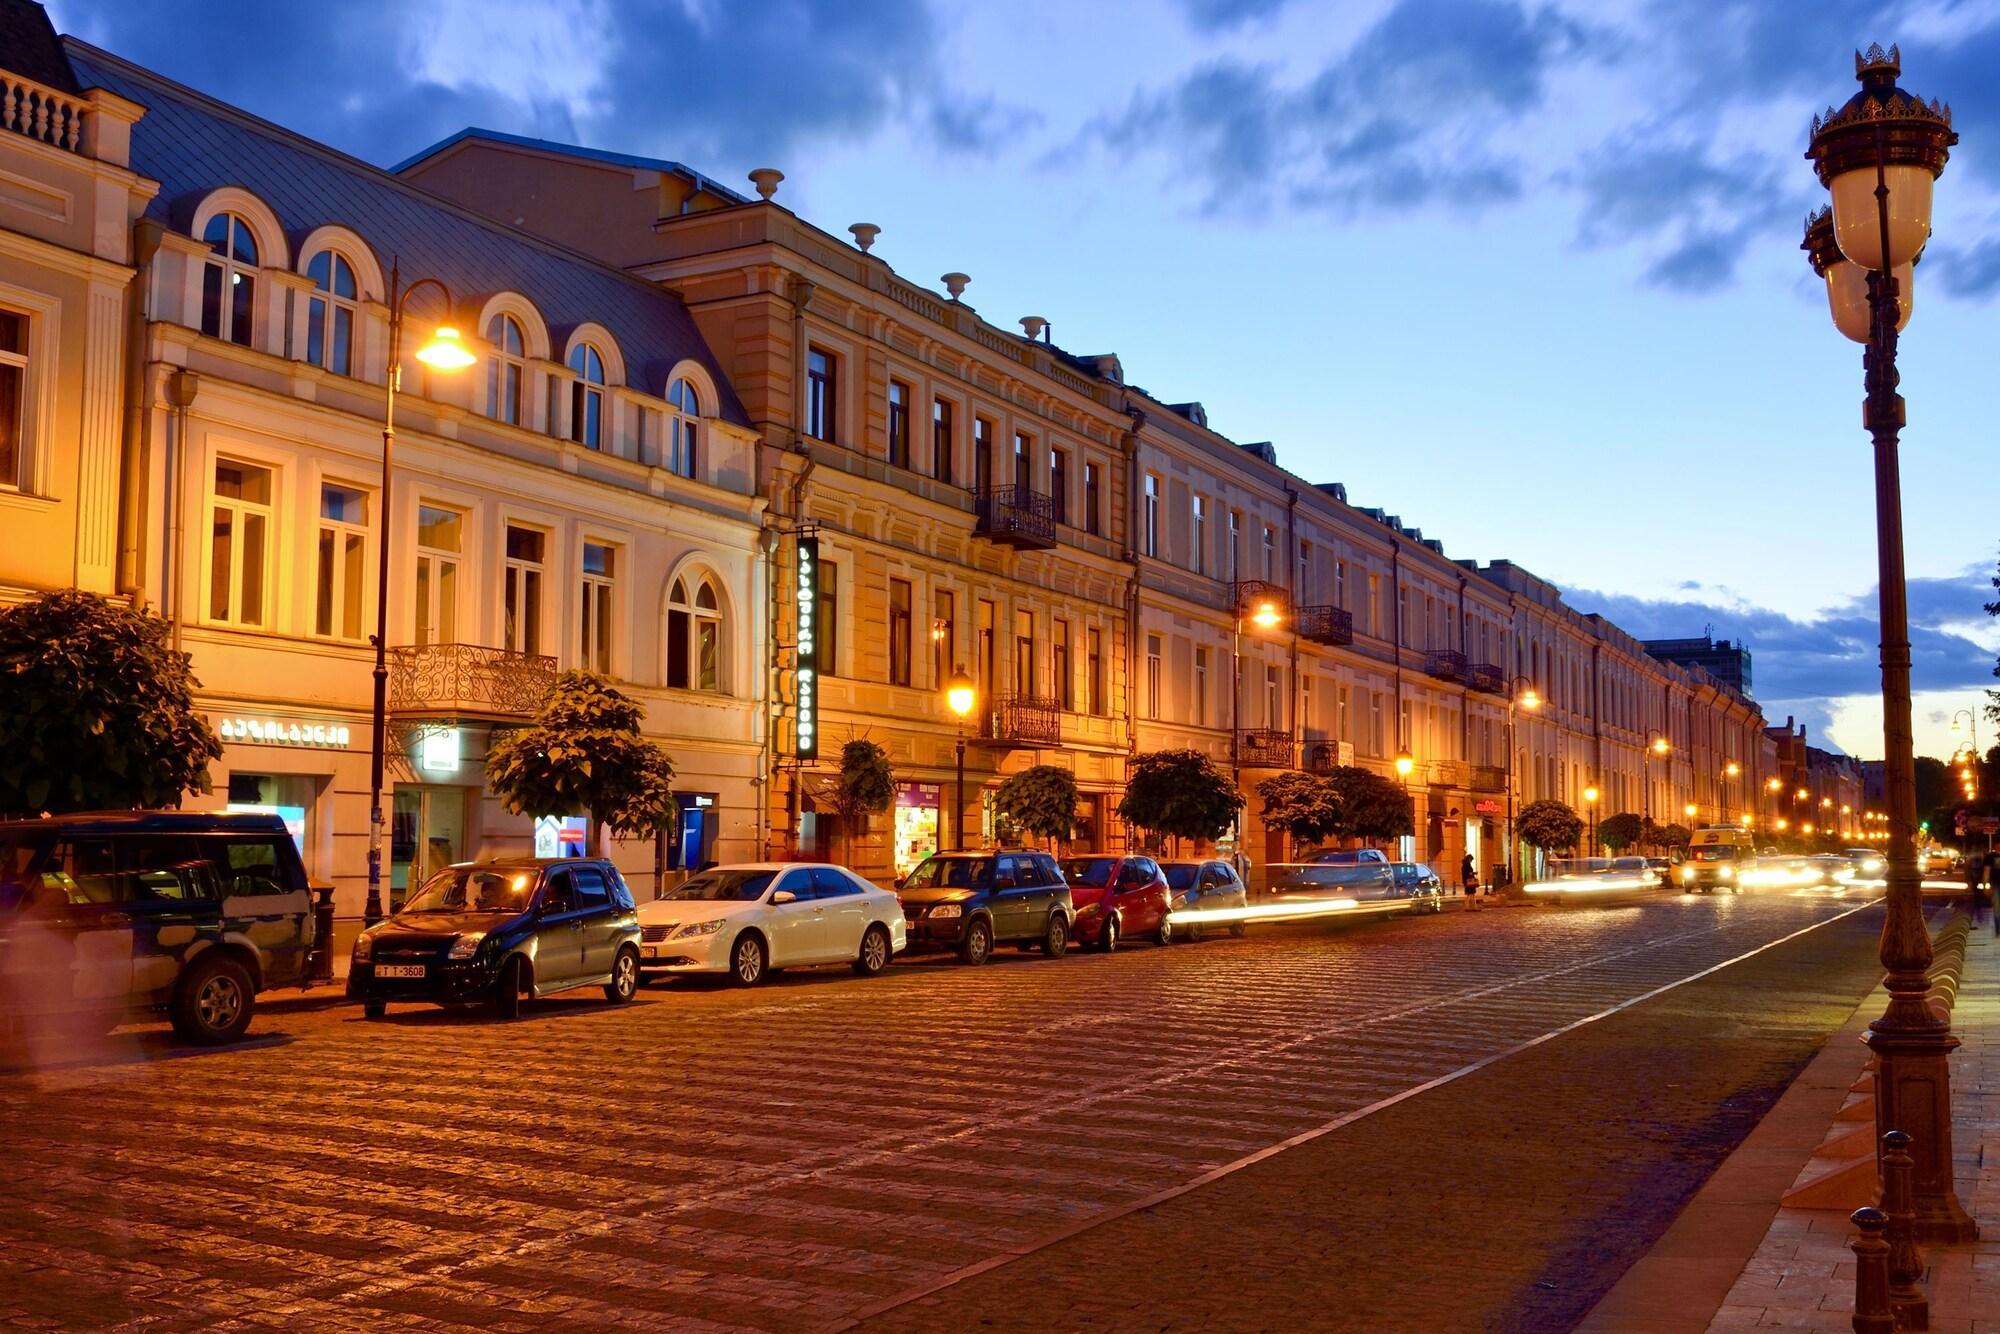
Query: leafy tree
x=1674, y=835
x=867, y=786
x=1550, y=826
x=1371, y=805
x=583, y=754
x=1041, y=800
x=1307, y=807
x=96, y=710
x=1179, y=794
x=1619, y=832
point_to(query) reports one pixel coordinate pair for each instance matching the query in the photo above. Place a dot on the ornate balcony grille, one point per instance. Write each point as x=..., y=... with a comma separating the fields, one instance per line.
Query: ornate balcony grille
x=1017, y=516
x=1487, y=677
x=1488, y=778
x=1264, y=748
x=467, y=681
x=1323, y=757
x=1326, y=625
x=1445, y=664
x=1022, y=720
x=1246, y=595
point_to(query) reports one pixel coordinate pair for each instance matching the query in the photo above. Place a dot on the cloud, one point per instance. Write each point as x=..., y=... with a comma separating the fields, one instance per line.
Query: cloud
x=1968, y=271
x=1212, y=16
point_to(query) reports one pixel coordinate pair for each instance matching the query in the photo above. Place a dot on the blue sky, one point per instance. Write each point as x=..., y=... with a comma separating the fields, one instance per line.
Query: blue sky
x=1524, y=273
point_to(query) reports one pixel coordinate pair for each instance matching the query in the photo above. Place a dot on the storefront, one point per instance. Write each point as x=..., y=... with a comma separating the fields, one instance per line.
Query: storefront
x=916, y=823
x=289, y=765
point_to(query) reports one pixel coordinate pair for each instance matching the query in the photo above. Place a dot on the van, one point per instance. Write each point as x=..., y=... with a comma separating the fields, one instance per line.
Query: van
x=1717, y=858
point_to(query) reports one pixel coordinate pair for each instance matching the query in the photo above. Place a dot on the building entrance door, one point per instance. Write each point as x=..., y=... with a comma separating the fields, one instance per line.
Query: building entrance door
x=426, y=834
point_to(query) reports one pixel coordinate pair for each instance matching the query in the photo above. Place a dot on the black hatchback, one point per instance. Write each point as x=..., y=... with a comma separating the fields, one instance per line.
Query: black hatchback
x=502, y=931
x=970, y=901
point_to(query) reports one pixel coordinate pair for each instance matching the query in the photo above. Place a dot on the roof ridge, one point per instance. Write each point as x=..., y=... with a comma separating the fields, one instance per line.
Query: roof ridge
x=613, y=156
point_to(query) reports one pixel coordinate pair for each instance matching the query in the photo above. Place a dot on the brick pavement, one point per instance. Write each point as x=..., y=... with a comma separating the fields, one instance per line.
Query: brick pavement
x=780, y=1159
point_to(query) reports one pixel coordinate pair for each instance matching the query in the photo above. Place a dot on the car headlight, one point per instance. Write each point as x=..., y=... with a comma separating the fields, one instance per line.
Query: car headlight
x=466, y=946
x=944, y=911
x=708, y=928
x=364, y=944
x=1687, y=872
x=1724, y=873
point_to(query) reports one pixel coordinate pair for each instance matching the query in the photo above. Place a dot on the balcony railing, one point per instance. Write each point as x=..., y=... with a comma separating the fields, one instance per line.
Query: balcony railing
x=1023, y=720
x=467, y=681
x=1487, y=677
x=1488, y=778
x=1249, y=596
x=1445, y=664
x=1326, y=625
x=1323, y=757
x=1018, y=516
x=1264, y=748
x=41, y=113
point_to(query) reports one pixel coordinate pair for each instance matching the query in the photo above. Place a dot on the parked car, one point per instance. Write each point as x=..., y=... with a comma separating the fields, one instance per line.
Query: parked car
x=1119, y=898
x=502, y=930
x=192, y=914
x=1419, y=883
x=1350, y=857
x=971, y=901
x=1199, y=886
x=748, y=920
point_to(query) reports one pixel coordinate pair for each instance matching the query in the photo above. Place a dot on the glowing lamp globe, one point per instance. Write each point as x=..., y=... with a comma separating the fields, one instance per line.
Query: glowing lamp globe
x=446, y=351
x=1888, y=135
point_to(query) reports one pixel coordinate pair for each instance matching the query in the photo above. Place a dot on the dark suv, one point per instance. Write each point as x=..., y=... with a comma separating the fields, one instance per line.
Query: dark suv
x=193, y=914
x=970, y=901
x=500, y=931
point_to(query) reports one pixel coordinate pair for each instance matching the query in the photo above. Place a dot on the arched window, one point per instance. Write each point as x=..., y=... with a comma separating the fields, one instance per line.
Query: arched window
x=586, y=406
x=330, y=316
x=228, y=279
x=507, y=370
x=685, y=402
x=694, y=636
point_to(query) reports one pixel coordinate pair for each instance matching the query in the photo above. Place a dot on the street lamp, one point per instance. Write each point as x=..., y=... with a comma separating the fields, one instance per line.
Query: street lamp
x=1729, y=770
x=1879, y=156
x=1690, y=810
x=958, y=697
x=1590, y=804
x=1656, y=744
x=445, y=351
x=1404, y=763
x=1521, y=693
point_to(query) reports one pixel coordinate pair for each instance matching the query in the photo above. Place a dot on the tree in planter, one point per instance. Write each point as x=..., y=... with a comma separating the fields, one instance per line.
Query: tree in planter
x=1040, y=801
x=96, y=710
x=584, y=755
x=1372, y=807
x=1550, y=826
x=1179, y=794
x=1307, y=807
x=867, y=786
x=1619, y=832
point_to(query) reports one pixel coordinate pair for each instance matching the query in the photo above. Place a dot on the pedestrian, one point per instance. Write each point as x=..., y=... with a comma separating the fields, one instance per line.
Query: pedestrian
x=1468, y=877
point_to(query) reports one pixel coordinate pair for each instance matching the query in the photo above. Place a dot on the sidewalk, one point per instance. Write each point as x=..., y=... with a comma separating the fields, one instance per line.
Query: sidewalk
x=1737, y=1259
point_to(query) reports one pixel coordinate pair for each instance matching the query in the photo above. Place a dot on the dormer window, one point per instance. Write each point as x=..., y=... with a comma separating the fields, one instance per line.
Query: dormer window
x=685, y=403
x=330, y=316
x=228, y=279
x=586, y=395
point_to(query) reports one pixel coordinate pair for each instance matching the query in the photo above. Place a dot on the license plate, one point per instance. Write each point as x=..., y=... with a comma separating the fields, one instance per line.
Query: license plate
x=399, y=970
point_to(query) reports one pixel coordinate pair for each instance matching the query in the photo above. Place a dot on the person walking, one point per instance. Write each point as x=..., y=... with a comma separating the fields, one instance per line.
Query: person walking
x=1468, y=877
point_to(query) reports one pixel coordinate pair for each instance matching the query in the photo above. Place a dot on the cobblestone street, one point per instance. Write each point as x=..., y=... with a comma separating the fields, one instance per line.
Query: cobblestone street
x=828, y=1148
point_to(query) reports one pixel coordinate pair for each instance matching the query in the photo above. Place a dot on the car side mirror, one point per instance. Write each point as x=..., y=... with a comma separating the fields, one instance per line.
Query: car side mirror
x=783, y=896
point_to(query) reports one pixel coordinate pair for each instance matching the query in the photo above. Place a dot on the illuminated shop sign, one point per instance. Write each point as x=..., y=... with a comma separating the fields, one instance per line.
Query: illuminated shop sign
x=274, y=732
x=805, y=672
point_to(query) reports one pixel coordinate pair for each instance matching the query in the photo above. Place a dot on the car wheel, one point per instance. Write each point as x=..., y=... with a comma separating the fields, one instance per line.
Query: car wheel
x=624, y=983
x=212, y=1004
x=977, y=947
x=1108, y=939
x=749, y=961
x=507, y=989
x=1055, y=940
x=1238, y=930
x=1164, y=933
x=874, y=956
x=374, y=1009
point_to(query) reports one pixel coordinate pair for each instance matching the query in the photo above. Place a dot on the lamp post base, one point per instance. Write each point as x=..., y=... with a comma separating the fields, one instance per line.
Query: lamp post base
x=1913, y=1095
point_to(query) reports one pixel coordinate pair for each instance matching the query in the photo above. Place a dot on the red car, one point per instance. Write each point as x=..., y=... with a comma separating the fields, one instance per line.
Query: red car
x=1118, y=898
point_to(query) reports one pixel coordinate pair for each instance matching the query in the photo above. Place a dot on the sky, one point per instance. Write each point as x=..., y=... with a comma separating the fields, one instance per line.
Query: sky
x=1524, y=272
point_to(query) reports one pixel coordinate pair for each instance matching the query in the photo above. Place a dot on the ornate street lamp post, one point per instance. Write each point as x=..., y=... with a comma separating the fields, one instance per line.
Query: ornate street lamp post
x=1590, y=804
x=1879, y=156
x=1521, y=693
x=445, y=352
x=958, y=697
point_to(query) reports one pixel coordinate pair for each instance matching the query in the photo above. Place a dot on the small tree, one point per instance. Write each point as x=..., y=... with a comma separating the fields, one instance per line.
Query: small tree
x=1040, y=800
x=1675, y=835
x=1550, y=826
x=867, y=786
x=96, y=710
x=1179, y=794
x=1307, y=807
x=584, y=754
x=1372, y=807
x=1619, y=832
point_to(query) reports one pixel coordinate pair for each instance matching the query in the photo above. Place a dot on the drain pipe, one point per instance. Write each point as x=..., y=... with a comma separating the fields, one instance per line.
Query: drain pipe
x=128, y=574
x=181, y=389
x=1129, y=446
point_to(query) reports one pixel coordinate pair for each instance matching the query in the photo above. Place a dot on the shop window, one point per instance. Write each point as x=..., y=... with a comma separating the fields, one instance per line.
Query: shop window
x=229, y=279
x=239, y=544
x=440, y=533
x=331, y=313
x=343, y=561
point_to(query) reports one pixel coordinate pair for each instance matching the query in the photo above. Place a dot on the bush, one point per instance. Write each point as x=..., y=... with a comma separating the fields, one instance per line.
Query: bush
x=1040, y=801
x=1179, y=794
x=583, y=753
x=1550, y=826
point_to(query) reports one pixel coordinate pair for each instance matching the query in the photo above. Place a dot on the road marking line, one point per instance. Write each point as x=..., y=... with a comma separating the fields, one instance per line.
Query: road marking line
x=1073, y=1230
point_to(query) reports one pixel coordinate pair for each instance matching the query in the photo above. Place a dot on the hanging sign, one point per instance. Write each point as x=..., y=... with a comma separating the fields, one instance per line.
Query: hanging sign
x=805, y=670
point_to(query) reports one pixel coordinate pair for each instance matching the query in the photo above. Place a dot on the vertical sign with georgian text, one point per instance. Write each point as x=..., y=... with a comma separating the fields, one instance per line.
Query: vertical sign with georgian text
x=805, y=670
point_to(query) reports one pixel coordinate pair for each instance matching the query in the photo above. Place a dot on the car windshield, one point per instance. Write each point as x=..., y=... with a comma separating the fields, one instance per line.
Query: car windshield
x=1094, y=872
x=1721, y=853
x=474, y=889
x=1628, y=863
x=952, y=873
x=1180, y=875
x=720, y=886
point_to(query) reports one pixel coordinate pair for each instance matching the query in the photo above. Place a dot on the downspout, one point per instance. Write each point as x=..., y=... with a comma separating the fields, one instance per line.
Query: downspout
x=1396, y=627
x=181, y=389
x=129, y=574
x=1464, y=688
x=1298, y=595
x=1596, y=711
x=1130, y=446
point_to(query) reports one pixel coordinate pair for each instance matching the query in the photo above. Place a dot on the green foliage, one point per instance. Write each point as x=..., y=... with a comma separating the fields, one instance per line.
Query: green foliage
x=1041, y=801
x=1674, y=835
x=96, y=710
x=1550, y=826
x=1619, y=832
x=1372, y=807
x=1179, y=794
x=1305, y=806
x=584, y=753
x=867, y=784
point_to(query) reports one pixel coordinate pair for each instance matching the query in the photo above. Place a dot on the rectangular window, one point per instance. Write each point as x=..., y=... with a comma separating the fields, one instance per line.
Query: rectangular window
x=1340, y=718
x=1152, y=676
x=1090, y=490
x=1374, y=604
x=899, y=424
x=342, y=573
x=1024, y=654
x=13, y=396
x=944, y=636
x=1059, y=484
x=439, y=535
x=1198, y=537
x=1270, y=555
x=240, y=544
x=1199, y=713
x=1302, y=590
x=988, y=631
x=941, y=440
x=1235, y=546
x=1024, y=461
x=1340, y=584
x=1274, y=708
x=586, y=413
x=899, y=632
x=598, y=588
x=1059, y=663
x=982, y=454
x=821, y=367
x=1375, y=722
x=1307, y=714
x=521, y=631
x=829, y=618
x=1094, y=670
x=1151, y=516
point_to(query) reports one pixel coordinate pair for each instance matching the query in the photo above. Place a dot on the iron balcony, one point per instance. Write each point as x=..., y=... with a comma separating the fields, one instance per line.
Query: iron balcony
x=1017, y=516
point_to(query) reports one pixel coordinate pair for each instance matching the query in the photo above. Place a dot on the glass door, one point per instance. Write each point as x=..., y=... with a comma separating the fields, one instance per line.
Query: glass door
x=426, y=834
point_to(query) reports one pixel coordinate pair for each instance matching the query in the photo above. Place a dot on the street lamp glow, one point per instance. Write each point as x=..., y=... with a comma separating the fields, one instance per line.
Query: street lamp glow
x=1660, y=746
x=958, y=694
x=1806, y=828
x=1590, y=795
x=1744, y=820
x=446, y=351
x=1801, y=794
x=1689, y=810
x=1530, y=699
x=1732, y=768
x=1404, y=763
x=1266, y=616
x=1781, y=824
x=1773, y=784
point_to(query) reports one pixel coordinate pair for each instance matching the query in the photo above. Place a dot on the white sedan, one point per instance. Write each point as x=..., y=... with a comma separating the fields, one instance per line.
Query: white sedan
x=749, y=919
